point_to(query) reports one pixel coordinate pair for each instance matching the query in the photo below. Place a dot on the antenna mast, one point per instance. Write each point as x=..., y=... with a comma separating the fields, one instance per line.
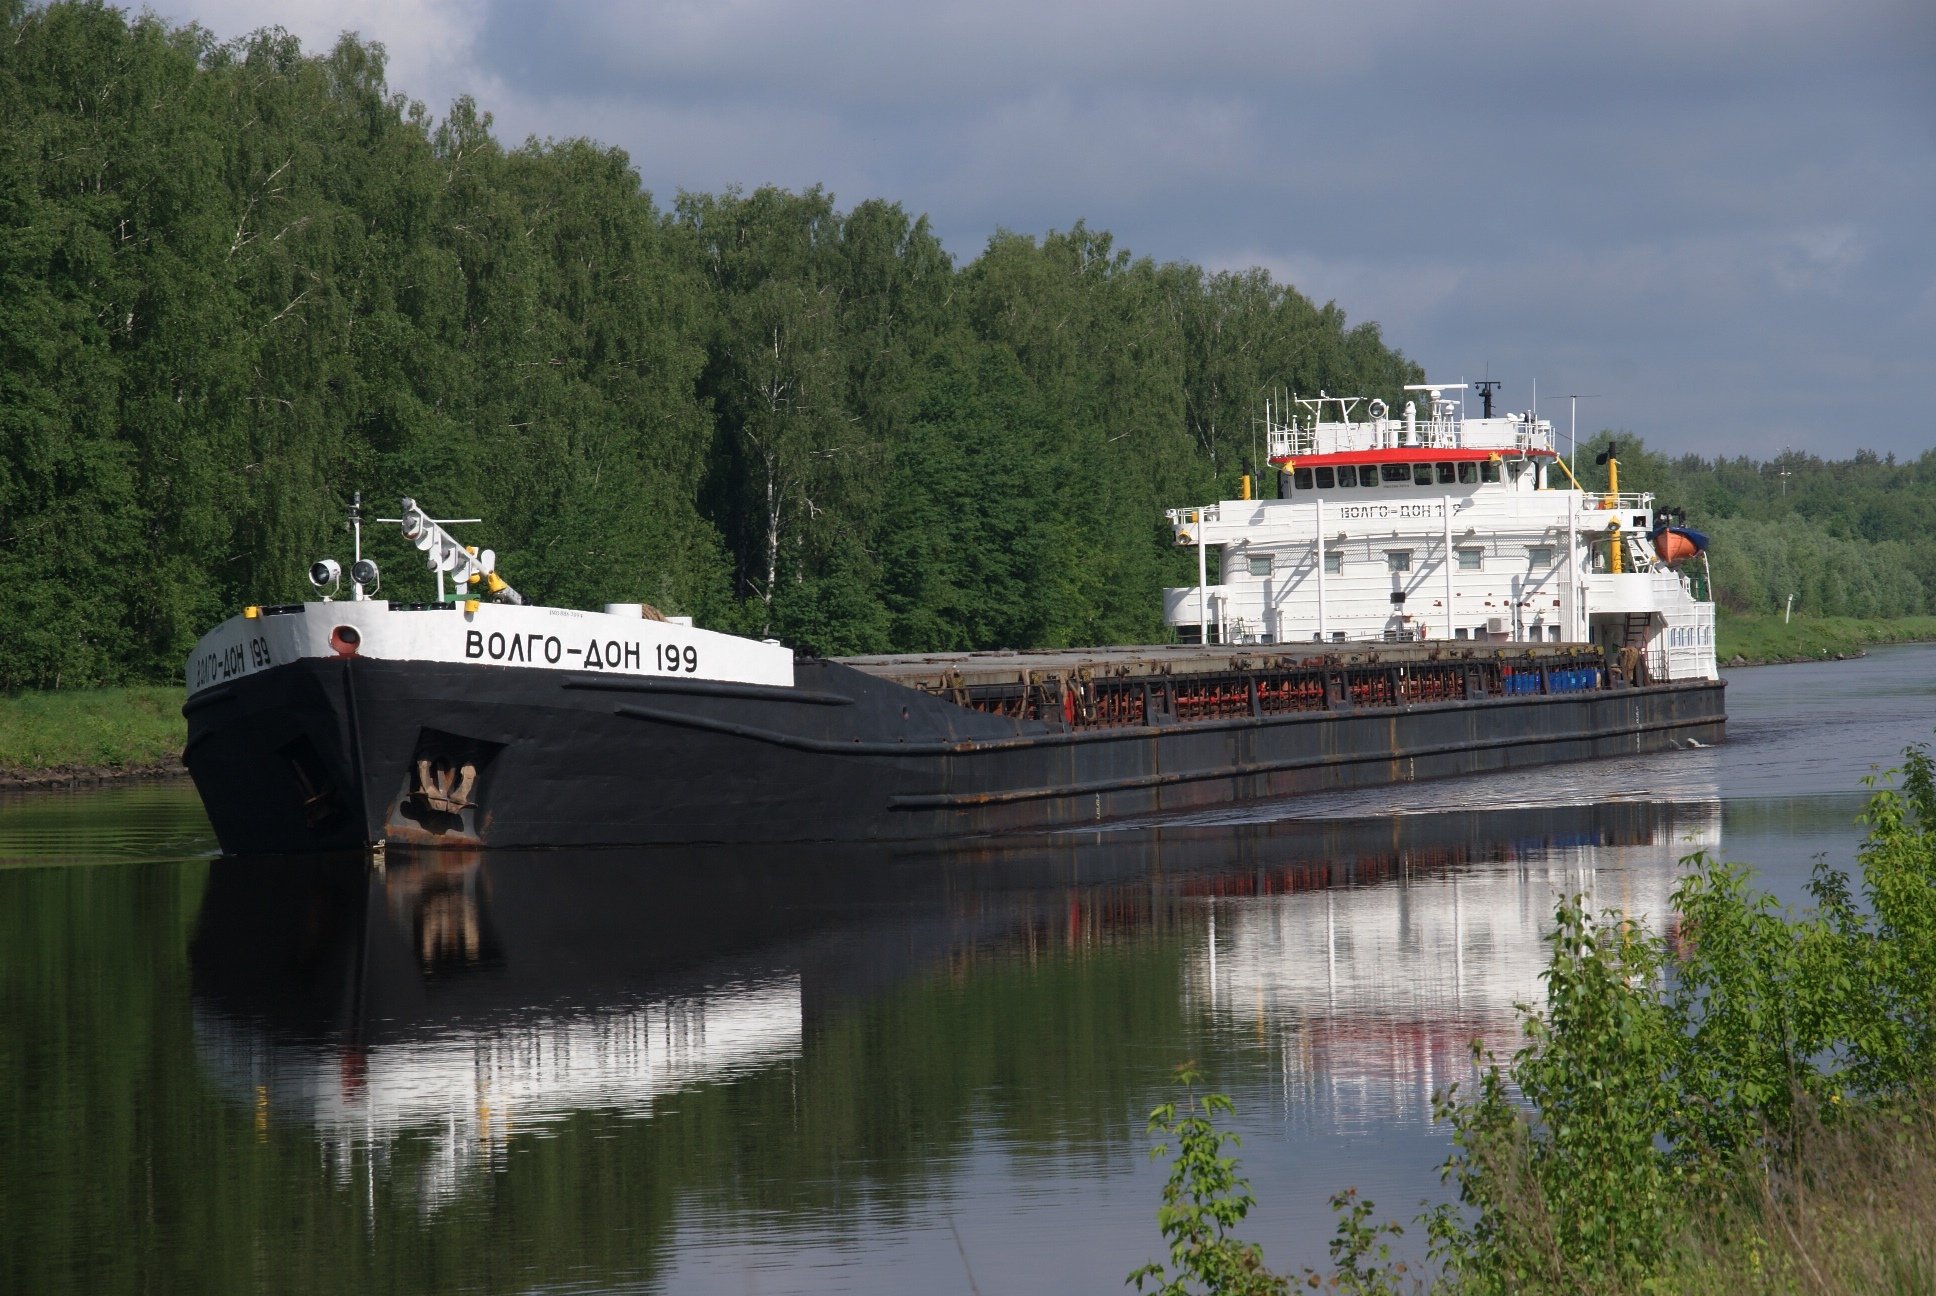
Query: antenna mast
x=1486, y=387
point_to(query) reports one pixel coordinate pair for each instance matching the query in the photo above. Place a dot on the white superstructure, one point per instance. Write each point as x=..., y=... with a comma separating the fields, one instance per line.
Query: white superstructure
x=1441, y=527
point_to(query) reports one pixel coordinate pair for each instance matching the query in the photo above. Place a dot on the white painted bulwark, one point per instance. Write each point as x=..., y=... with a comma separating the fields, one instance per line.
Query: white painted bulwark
x=494, y=635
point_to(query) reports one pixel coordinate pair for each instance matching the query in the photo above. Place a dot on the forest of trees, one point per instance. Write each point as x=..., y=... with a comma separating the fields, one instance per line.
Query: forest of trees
x=238, y=282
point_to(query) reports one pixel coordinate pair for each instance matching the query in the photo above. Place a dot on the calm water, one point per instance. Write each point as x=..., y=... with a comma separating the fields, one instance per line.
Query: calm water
x=807, y=1071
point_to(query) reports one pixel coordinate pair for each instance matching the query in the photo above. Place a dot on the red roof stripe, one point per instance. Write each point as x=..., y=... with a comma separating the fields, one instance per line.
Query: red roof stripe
x=1405, y=454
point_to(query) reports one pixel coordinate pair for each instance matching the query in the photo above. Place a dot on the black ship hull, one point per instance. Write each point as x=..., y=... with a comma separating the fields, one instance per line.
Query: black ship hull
x=348, y=753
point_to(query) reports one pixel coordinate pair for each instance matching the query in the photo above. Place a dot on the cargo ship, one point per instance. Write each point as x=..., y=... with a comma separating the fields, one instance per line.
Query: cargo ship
x=1428, y=595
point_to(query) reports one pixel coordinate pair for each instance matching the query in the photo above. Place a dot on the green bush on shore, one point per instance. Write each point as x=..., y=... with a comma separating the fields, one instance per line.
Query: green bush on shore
x=113, y=729
x=1737, y=1099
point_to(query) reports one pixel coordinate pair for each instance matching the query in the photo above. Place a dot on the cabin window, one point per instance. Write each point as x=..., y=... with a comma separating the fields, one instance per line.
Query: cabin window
x=1489, y=471
x=1468, y=473
x=1421, y=474
x=1540, y=555
x=1398, y=560
x=1337, y=636
x=1553, y=633
x=1260, y=564
x=1397, y=474
x=1327, y=478
x=1368, y=475
x=1301, y=478
x=1460, y=633
x=1447, y=473
x=1472, y=559
x=1334, y=560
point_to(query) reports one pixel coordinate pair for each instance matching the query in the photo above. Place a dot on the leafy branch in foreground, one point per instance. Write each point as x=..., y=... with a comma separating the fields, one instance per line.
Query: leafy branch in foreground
x=1203, y=1201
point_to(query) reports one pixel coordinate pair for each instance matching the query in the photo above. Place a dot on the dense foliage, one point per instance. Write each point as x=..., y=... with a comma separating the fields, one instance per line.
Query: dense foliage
x=238, y=282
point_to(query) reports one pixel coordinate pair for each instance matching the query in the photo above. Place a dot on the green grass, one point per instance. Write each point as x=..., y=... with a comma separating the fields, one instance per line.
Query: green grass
x=1763, y=638
x=117, y=728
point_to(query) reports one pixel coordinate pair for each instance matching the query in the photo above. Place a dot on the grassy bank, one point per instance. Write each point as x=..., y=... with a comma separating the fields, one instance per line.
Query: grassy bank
x=1757, y=639
x=92, y=731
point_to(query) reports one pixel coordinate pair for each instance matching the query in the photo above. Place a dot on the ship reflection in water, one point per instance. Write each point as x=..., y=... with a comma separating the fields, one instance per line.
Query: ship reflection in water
x=1371, y=995
x=452, y=1002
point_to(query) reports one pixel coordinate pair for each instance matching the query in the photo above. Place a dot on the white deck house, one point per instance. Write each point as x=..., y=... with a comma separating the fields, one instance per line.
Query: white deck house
x=1438, y=528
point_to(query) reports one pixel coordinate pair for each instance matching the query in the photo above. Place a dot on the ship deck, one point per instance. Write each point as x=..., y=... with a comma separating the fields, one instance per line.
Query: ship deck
x=1009, y=666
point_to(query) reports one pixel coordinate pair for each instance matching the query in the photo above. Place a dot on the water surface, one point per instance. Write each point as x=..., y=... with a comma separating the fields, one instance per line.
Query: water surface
x=833, y=1069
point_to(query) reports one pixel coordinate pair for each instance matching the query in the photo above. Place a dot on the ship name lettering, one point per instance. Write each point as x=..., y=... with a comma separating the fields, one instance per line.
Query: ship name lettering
x=673, y=658
x=526, y=647
x=219, y=664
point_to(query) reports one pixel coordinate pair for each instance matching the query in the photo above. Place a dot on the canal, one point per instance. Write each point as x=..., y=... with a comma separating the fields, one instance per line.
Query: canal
x=831, y=1069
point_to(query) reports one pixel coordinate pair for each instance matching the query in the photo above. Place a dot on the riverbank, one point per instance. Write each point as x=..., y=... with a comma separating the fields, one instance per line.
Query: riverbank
x=82, y=736
x=1766, y=640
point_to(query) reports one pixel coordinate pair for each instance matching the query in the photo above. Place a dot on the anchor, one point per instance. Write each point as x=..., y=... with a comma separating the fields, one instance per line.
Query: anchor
x=443, y=785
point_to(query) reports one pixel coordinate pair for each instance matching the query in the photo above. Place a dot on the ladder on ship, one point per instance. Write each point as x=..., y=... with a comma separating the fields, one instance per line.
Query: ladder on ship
x=1637, y=630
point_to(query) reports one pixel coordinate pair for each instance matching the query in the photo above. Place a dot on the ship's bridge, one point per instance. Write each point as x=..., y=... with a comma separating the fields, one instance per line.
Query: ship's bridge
x=1349, y=424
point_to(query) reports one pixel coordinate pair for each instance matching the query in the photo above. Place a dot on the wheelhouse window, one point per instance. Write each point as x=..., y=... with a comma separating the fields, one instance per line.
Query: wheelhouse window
x=1472, y=559
x=1398, y=560
x=1260, y=564
x=1368, y=475
x=1421, y=474
x=1327, y=478
x=1397, y=474
x=1348, y=478
x=1489, y=471
x=1447, y=473
x=1540, y=555
x=1301, y=478
x=1468, y=474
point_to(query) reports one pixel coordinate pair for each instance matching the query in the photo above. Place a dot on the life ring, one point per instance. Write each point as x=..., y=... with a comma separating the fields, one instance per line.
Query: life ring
x=1377, y=409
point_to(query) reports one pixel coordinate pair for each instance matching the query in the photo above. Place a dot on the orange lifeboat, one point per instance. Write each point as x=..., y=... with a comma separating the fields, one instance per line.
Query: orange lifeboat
x=1678, y=544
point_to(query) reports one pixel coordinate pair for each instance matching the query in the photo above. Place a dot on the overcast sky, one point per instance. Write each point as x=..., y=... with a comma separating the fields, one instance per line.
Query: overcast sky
x=1716, y=217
